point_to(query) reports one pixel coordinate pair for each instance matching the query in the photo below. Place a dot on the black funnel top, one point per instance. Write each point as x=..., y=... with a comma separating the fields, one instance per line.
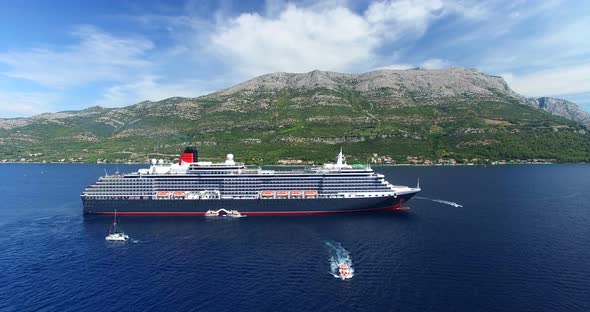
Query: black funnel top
x=194, y=151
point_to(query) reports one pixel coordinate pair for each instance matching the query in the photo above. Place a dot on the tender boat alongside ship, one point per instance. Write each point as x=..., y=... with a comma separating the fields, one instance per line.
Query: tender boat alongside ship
x=223, y=213
x=192, y=187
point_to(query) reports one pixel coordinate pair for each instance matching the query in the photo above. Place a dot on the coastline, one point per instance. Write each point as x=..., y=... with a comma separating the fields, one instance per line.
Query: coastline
x=301, y=166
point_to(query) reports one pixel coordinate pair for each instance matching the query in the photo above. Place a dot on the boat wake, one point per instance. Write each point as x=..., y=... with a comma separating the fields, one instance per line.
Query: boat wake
x=440, y=201
x=338, y=255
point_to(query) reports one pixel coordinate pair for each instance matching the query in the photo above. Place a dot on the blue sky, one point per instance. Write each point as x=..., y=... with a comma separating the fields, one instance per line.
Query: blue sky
x=64, y=55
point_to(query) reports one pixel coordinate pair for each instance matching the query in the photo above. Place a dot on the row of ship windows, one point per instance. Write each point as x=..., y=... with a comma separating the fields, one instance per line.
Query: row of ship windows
x=250, y=176
x=225, y=193
x=190, y=187
x=243, y=183
x=144, y=196
x=241, y=190
x=307, y=185
x=213, y=186
x=205, y=187
x=276, y=187
x=239, y=182
x=270, y=187
x=237, y=191
x=139, y=197
x=245, y=176
x=148, y=196
x=356, y=178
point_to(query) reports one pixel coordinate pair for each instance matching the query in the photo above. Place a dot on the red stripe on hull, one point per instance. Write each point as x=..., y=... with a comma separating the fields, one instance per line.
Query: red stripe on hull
x=256, y=213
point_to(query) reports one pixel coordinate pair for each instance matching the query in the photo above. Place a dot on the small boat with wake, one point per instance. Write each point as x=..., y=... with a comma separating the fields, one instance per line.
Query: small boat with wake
x=115, y=234
x=224, y=213
x=344, y=271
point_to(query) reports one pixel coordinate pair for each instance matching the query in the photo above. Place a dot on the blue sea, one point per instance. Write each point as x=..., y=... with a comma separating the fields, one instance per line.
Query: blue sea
x=496, y=238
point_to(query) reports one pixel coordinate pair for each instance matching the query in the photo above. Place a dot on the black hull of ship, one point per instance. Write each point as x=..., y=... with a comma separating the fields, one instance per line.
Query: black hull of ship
x=151, y=207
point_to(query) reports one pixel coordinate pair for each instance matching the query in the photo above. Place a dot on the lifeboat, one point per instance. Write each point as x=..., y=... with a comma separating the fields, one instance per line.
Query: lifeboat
x=282, y=193
x=163, y=194
x=267, y=194
x=296, y=193
x=311, y=193
x=178, y=194
x=344, y=271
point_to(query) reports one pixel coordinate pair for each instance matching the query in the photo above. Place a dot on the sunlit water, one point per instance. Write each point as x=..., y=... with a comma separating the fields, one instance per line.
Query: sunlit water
x=520, y=242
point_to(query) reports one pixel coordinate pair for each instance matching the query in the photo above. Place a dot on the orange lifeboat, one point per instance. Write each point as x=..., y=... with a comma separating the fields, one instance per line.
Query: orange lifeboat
x=163, y=194
x=267, y=194
x=178, y=194
x=282, y=193
x=296, y=193
x=311, y=193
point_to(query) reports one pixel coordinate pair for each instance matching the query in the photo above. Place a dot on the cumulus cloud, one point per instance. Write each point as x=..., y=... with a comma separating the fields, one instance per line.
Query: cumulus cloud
x=434, y=63
x=299, y=39
x=554, y=81
x=149, y=88
x=19, y=104
x=212, y=50
x=397, y=67
x=98, y=56
x=396, y=18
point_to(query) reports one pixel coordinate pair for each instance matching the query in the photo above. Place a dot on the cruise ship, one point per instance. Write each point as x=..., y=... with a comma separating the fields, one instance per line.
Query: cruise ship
x=192, y=188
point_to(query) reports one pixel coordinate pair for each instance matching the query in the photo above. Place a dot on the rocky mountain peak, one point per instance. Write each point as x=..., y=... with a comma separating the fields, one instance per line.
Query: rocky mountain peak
x=562, y=108
x=383, y=87
x=450, y=82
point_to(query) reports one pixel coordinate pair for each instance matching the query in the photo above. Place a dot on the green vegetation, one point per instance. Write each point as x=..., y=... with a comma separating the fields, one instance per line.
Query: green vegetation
x=308, y=125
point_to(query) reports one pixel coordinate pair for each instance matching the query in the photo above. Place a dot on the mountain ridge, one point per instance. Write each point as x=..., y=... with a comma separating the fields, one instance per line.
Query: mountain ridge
x=382, y=78
x=564, y=108
x=449, y=113
x=371, y=81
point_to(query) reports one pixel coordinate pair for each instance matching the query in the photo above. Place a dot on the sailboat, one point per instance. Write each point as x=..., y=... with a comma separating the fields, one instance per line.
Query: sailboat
x=114, y=234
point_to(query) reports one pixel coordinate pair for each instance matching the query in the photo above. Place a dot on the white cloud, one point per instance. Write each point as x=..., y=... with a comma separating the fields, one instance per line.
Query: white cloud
x=396, y=18
x=326, y=37
x=19, y=104
x=531, y=36
x=98, y=56
x=299, y=39
x=434, y=63
x=554, y=81
x=539, y=48
x=397, y=67
x=148, y=88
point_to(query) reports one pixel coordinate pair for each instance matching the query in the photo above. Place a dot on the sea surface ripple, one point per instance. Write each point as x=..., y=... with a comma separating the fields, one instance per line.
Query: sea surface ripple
x=520, y=242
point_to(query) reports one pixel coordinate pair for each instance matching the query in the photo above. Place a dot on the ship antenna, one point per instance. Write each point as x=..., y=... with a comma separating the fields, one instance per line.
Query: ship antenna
x=105, y=173
x=340, y=158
